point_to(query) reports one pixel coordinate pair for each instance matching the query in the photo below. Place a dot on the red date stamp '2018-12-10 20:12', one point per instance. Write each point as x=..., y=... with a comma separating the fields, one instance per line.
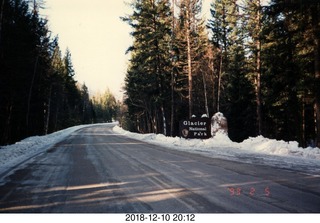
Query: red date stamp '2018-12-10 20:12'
x=238, y=191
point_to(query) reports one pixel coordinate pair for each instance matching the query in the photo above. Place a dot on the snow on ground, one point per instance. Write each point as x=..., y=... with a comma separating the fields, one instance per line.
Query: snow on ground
x=258, y=150
x=15, y=153
x=12, y=155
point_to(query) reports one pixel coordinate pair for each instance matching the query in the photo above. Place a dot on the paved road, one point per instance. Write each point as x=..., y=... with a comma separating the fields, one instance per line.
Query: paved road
x=95, y=170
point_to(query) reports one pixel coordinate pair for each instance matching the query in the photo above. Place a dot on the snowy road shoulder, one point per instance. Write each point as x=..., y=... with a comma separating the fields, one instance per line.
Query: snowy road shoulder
x=19, y=152
x=258, y=150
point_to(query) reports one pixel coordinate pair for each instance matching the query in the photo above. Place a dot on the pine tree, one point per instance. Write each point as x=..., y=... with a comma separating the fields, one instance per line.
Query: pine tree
x=253, y=24
x=86, y=106
x=290, y=67
x=222, y=26
x=38, y=92
x=147, y=82
x=2, y=5
x=235, y=91
x=315, y=27
x=189, y=26
x=105, y=106
x=24, y=58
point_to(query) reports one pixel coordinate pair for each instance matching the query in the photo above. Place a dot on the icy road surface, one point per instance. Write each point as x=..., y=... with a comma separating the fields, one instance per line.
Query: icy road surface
x=95, y=170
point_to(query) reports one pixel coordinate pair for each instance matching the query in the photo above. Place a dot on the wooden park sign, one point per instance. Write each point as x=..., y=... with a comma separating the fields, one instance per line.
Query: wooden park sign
x=195, y=128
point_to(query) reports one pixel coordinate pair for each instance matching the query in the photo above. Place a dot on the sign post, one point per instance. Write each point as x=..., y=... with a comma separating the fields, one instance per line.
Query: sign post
x=195, y=128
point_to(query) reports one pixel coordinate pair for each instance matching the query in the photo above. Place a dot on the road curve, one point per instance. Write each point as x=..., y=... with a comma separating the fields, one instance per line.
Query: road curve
x=97, y=171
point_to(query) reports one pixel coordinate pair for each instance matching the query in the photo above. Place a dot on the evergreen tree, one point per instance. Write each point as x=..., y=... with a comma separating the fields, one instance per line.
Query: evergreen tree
x=292, y=42
x=38, y=93
x=190, y=45
x=86, y=105
x=235, y=91
x=24, y=62
x=261, y=67
x=253, y=25
x=222, y=25
x=147, y=80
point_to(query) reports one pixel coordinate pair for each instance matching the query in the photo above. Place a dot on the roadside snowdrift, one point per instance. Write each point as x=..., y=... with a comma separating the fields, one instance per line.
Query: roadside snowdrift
x=279, y=147
x=30, y=146
x=257, y=150
x=13, y=154
x=258, y=144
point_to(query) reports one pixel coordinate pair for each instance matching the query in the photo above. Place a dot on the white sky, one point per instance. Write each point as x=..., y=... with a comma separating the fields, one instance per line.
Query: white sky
x=97, y=39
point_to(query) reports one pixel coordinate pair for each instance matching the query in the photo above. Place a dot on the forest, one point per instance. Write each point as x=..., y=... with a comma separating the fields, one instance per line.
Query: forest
x=38, y=91
x=259, y=64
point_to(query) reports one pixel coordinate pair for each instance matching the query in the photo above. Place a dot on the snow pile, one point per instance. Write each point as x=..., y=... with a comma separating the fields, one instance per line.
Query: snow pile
x=215, y=145
x=258, y=150
x=19, y=152
x=278, y=147
x=30, y=146
x=220, y=140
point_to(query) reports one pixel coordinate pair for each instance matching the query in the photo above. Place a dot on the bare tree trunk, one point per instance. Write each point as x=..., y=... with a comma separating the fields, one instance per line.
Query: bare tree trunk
x=172, y=72
x=154, y=118
x=303, y=127
x=316, y=30
x=148, y=122
x=7, y=129
x=30, y=91
x=205, y=94
x=164, y=121
x=189, y=64
x=35, y=7
x=258, y=69
x=219, y=81
x=258, y=88
x=317, y=99
x=48, y=113
x=214, y=101
x=1, y=18
x=172, y=105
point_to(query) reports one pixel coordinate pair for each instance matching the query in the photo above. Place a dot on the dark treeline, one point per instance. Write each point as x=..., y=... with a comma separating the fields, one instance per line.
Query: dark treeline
x=259, y=65
x=38, y=92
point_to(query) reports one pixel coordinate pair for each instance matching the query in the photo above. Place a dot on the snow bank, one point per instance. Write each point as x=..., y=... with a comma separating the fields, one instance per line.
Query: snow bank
x=253, y=150
x=13, y=154
x=19, y=152
x=220, y=140
x=257, y=145
x=258, y=150
x=279, y=147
